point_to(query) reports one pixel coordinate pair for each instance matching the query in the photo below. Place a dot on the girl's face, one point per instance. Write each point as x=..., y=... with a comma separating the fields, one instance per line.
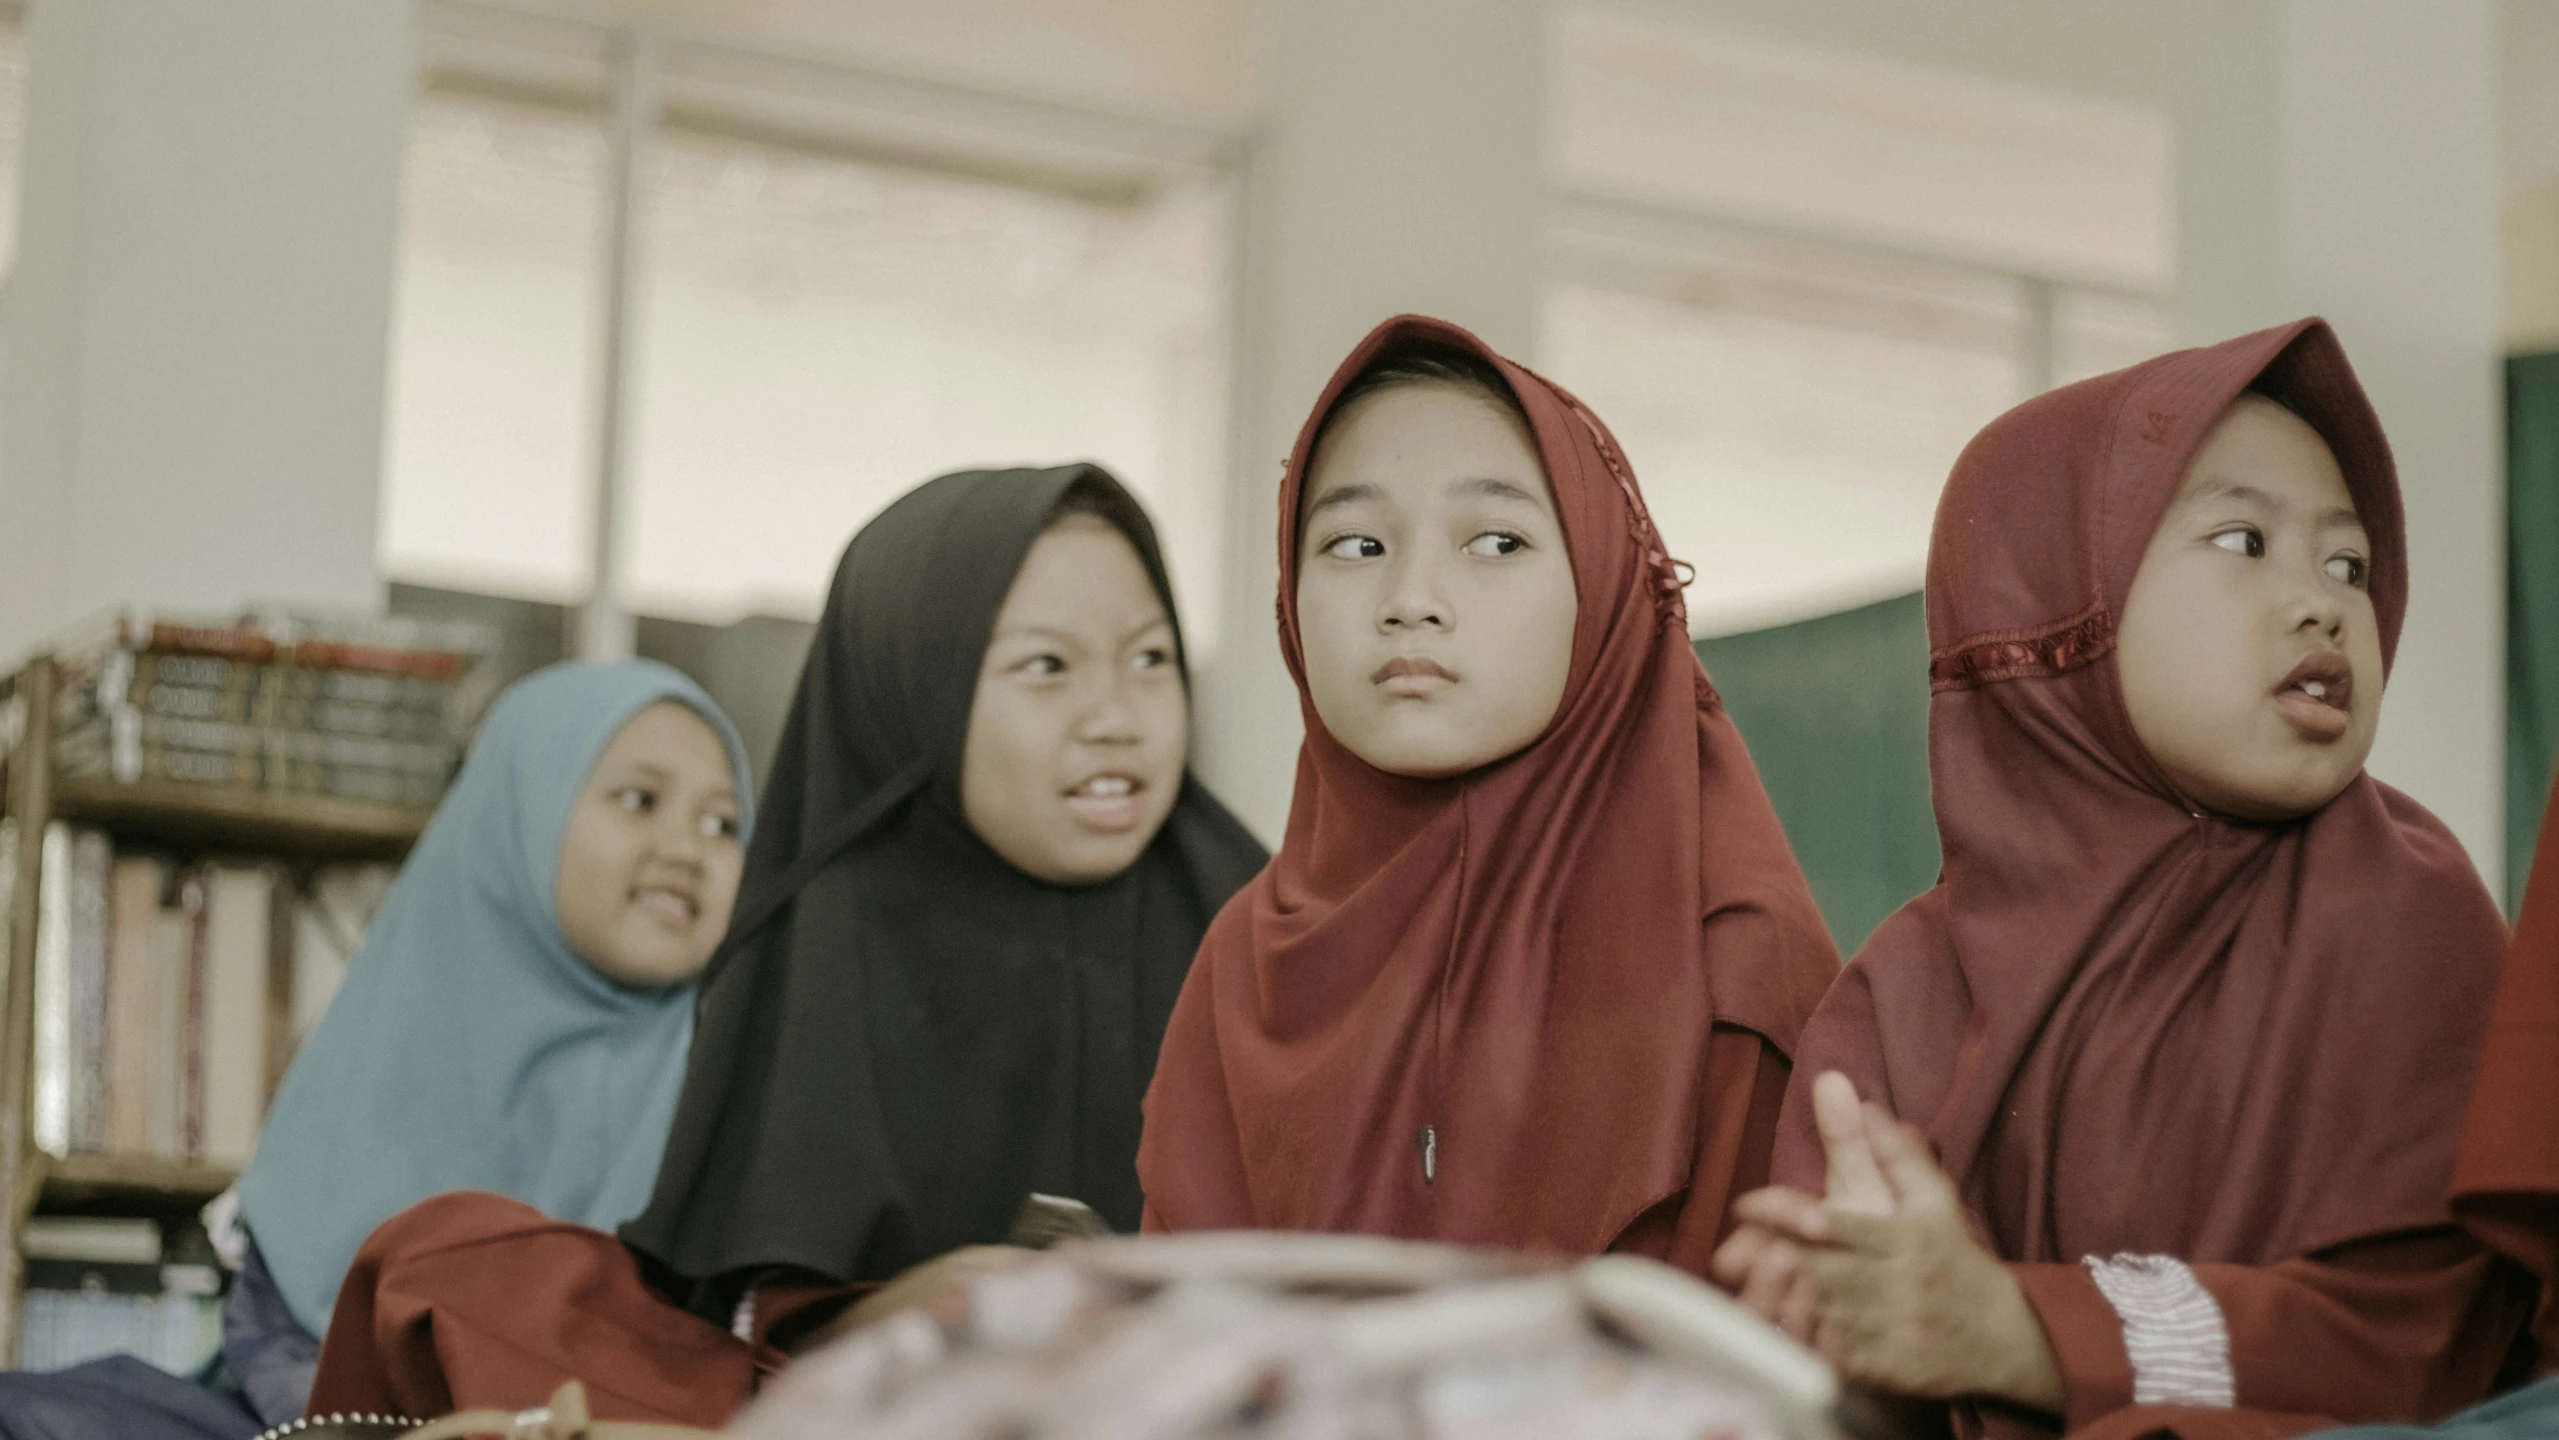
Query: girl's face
x=1081, y=726
x=2249, y=650
x=649, y=864
x=1435, y=600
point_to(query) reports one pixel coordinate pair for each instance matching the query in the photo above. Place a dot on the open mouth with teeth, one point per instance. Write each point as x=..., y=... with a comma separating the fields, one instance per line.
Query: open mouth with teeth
x=667, y=905
x=1110, y=802
x=2317, y=697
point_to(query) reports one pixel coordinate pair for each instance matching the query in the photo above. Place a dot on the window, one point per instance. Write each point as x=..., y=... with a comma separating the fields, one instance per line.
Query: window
x=490, y=448
x=846, y=283
x=825, y=331
x=1793, y=407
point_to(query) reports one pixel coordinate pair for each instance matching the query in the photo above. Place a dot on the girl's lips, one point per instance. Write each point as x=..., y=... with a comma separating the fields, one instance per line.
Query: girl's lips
x=667, y=907
x=1413, y=676
x=2315, y=719
x=1109, y=803
x=2317, y=697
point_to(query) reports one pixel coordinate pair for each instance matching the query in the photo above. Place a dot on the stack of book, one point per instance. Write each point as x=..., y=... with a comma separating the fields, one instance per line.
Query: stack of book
x=98, y=1287
x=364, y=710
x=168, y=995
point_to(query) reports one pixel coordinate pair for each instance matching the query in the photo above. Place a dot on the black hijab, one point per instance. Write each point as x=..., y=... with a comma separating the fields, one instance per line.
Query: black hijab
x=902, y=1036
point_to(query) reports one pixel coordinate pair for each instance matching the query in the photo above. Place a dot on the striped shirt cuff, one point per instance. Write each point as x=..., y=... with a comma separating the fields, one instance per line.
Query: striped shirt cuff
x=2173, y=1330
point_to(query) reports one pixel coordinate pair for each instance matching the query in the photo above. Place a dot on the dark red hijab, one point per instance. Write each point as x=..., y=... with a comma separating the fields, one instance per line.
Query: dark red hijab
x=2506, y=1186
x=2126, y=1025
x=1528, y=958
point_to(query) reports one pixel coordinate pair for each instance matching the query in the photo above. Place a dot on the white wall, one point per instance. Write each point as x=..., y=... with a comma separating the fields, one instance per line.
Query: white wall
x=2339, y=158
x=196, y=324
x=2015, y=176
x=1797, y=279
x=2529, y=39
x=1399, y=164
x=1192, y=55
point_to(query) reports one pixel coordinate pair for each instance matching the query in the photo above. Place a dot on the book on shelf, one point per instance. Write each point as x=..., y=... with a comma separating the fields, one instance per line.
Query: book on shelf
x=133, y=939
x=172, y=980
x=237, y=950
x=60, y=1328
x=91, y=1239
x=98, y=1286
x=70, y=1082
x=359, y=709
x=161, y=986
x=330, y=912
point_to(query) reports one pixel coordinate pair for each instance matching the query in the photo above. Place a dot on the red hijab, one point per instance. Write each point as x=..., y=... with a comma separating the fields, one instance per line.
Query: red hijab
x=2506, y=1185
x=2129, y=1026
x=1527, y=959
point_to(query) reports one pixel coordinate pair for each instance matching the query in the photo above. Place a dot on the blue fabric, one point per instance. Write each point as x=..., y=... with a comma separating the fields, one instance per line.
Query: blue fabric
x=270, y=1357
x=469, y=1048
x=2531, y=1413
x=121, y=1398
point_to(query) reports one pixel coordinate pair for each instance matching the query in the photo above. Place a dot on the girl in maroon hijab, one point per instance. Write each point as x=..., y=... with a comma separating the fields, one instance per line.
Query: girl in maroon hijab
x=2190, y=1017
x=1530, y=961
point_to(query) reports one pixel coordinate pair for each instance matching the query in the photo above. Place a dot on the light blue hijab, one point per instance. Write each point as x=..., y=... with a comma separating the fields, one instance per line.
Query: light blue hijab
x=469, y=1048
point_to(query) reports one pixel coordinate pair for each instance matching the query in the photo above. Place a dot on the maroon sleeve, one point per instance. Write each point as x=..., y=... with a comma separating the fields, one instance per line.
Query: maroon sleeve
x=2087, y=1339
x=472, y=1301
x=1842, y=1036
x=2410, y=1328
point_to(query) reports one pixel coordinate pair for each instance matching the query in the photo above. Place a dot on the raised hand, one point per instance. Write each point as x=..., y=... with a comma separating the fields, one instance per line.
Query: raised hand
x=1761, y=1264
x=1897, y=1294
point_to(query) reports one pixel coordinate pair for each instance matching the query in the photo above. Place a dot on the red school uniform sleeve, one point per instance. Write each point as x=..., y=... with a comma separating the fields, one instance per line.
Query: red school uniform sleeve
x=2403, y=1328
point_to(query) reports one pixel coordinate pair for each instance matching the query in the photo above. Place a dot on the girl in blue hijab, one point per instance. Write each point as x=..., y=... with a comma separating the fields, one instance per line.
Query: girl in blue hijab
x=516, y=1022
x=518, y=1016
x=520, y=1003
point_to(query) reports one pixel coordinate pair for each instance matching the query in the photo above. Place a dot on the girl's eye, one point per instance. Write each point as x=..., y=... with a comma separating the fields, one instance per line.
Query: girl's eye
x=1154, y=657
x=2346, y=570
x=714, y=826
x=1496, y=542
x=1042, y=665
x=1356, y=547
x=637, y=799
x=2245, y=540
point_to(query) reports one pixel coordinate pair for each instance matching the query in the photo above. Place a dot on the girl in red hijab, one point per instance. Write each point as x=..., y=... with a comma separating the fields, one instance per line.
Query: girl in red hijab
x=1530, y=961
x=2190, y=1017
x=2505, y=1187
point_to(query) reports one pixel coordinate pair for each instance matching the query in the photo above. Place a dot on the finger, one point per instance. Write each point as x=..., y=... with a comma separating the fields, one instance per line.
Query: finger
x=1831, y=1343
x=1772, y=1275
x=1790, y=1213
x=1799, y=1314
x=1740, y=1251
x=1854, y=1181
x=1763, y=1284
x=1907, y=1164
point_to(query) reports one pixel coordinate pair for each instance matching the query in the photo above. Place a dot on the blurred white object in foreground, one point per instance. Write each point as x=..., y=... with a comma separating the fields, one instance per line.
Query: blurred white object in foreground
x=1307, y=1337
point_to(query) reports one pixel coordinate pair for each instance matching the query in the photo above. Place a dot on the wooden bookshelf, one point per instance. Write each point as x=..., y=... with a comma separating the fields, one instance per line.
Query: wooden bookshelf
x=128, y=1184
x=184, y=819
x=204, y=817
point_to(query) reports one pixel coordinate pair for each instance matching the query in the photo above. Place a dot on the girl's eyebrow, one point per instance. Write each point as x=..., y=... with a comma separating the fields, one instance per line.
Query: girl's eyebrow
x=2334, y=517
x=639, y=770
x=1024, y=631
x=1492, y=487
x=1343, y=495
x=2233, y=490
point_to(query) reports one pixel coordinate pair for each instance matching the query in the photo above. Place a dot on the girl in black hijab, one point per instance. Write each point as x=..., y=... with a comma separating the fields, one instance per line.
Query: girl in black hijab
x=904, y=1034
x=978, y=875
